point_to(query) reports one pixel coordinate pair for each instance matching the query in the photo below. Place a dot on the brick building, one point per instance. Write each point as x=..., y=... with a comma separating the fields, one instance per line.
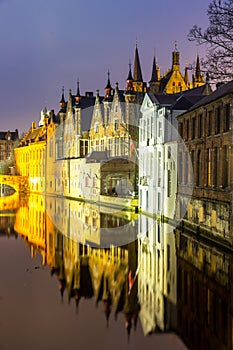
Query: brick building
x=207, y=131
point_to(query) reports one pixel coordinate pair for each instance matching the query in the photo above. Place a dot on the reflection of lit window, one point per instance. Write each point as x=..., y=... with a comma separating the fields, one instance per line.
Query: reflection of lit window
x=86, y=220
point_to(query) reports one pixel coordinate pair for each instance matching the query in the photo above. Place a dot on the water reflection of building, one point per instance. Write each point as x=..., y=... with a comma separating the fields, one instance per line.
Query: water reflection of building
x=156, y=275
x=91, y=224
x=30, y=224
x=9, y=200
x=204, y=294
x=83, y=271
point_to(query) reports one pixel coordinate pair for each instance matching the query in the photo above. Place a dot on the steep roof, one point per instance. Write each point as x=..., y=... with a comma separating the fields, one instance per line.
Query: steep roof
x=137, y=74
x=218, y=93
x=154, y=74
x=180, y=101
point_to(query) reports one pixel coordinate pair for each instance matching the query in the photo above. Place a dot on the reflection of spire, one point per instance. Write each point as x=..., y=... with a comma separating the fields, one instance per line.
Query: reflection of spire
x=128, y=325
x=61, y=289
x=77, y=298
x=107, y=310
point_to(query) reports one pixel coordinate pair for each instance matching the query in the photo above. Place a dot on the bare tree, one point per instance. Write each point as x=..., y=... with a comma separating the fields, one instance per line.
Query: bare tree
x=218, y=38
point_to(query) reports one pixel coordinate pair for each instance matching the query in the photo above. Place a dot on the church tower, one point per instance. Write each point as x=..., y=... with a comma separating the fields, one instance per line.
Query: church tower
x=155, y=78
x=107, y=101
x=138, y=84
x=198, y=78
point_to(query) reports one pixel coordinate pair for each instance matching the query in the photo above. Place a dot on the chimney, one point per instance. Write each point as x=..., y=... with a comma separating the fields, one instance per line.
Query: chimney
x=33, y=125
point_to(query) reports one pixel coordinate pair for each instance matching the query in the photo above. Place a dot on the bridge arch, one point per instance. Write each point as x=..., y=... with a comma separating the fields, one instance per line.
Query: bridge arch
x=18, y=183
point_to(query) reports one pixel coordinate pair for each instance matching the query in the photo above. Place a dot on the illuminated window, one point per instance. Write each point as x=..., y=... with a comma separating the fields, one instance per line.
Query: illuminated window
x=96, y=127
x=169, y=183
x=218, y=120
x=116, y=124
x=227, y=117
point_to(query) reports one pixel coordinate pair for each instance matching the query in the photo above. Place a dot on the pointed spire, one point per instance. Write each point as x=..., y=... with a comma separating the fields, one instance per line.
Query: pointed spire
x=78, y=95
x=108, y=89
x=198, y=68
x=78, y=90
x=129, y=87
x=175, y=58
x=108, y=86
x=154, y=74
x=137, y=74
x=62, y=102
x=130, y=77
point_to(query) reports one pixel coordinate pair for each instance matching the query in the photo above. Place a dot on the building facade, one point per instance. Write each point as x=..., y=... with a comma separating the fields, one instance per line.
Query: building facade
x=207, y=132
x=158, y=145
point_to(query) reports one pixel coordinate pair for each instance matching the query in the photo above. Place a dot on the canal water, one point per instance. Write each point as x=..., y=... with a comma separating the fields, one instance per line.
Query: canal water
x=74, y=274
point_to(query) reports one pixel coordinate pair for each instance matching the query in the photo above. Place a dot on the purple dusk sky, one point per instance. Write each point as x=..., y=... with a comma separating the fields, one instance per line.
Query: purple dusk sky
x=48, y=44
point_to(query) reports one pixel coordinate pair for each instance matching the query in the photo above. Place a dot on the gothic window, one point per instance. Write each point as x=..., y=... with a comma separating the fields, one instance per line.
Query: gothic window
x=96, y=127
x=193, y=128
x=200, y=125
x=209, y=160
x=225, y=164
x=169, y=183
x=218, y=120
x=187, y=127
x=116, y=124
x=199, y=168
x=97, y=145
x=169, y=152
x=209, y=122
x=181, y=129
x=227, y=117
x=160, y=129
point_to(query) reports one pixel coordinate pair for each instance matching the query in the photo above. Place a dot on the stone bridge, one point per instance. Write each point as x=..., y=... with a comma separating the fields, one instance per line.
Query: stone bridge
x=18, y=183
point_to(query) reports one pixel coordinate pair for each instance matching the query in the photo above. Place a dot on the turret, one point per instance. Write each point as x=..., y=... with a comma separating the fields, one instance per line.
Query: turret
x=137, y=73
x=62, y=102
x=155, y=77
x=107, y=101
x=198, y=78
x=175, y=59
x=78, y=95
x=108, y=90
